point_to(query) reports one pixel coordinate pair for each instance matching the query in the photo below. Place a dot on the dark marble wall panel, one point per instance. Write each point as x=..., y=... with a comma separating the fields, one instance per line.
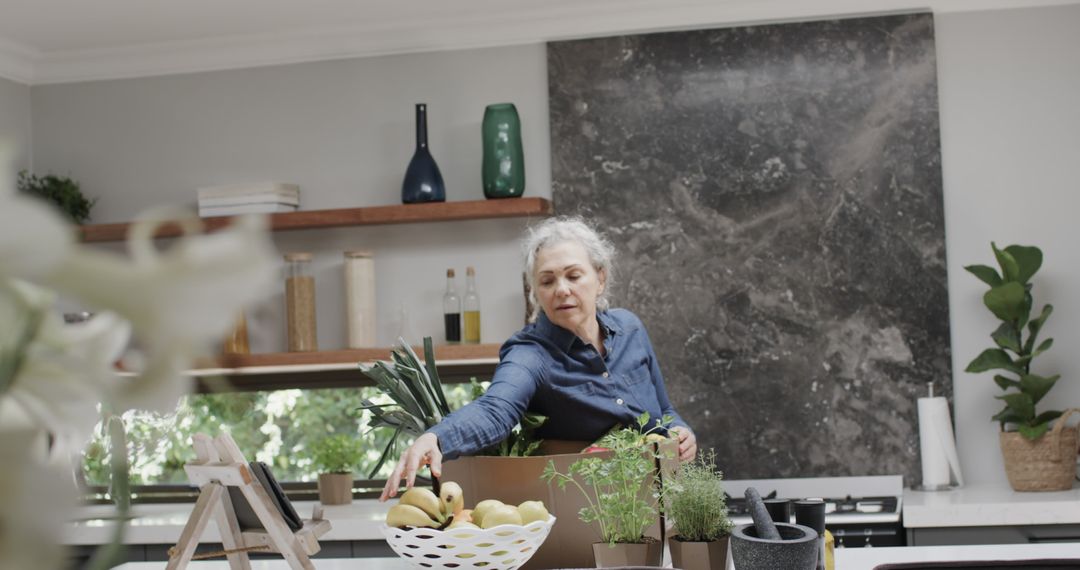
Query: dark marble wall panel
x=775, y=195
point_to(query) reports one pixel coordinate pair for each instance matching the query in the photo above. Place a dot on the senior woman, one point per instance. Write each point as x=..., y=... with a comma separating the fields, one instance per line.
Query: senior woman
x=586, y=367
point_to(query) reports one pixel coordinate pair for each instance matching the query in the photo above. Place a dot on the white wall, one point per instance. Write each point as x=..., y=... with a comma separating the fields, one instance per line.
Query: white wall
x=1010, y=127
x=15, y=114
x=344, y=131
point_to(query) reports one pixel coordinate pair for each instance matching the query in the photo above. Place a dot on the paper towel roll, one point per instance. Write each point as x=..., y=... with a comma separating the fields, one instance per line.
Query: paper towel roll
x=937, y=445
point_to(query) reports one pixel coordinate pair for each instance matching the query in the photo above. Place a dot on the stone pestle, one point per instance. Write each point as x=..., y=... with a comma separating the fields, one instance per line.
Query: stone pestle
x=763, y=523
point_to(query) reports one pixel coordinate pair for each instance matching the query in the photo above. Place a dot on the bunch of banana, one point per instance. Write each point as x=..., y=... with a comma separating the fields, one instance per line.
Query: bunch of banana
x=421, y=508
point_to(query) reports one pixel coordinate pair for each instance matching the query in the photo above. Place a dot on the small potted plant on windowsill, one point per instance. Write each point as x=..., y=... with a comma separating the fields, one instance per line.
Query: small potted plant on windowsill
x=618, y=489
x=1036, y=457
x=694, y=499
x=335, y=457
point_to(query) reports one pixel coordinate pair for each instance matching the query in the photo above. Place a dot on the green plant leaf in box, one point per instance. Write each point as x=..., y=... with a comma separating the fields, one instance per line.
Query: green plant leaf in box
x=1006, y=336
x=1035, y=386
x=419, y=402
x=993, y=359
x=986, y=274
x=1009, y=268
x=1007, y=301
x=1028, y=261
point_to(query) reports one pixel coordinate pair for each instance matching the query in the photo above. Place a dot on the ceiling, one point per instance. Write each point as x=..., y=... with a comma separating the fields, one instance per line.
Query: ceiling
x=56, y=41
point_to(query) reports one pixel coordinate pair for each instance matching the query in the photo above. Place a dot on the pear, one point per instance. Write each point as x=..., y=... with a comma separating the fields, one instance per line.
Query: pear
x=481, y=508
x=451, y=499
x=461, y=524
x=424, y=500
x=532, y=511
x=407, y=515
x=500, y=514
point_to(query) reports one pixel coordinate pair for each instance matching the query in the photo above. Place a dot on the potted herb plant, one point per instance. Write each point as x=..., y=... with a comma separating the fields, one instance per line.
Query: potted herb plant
x=617, y=488
x=694, y=499
x=335, y=457
x=1036, y=458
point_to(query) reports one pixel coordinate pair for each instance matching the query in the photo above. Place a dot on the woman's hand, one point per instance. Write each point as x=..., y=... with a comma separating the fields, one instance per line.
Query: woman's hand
x=687, y=443
x=423, y=451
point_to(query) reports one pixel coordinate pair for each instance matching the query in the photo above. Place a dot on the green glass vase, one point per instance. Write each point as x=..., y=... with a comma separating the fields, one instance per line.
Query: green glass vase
x=504, y=157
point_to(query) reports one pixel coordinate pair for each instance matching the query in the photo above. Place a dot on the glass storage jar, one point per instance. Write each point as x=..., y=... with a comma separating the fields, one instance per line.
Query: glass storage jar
x=300, y=303
x=360, y=298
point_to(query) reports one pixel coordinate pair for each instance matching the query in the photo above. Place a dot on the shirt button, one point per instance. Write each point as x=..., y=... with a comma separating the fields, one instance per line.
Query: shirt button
x=605, y=375
x=619, y=401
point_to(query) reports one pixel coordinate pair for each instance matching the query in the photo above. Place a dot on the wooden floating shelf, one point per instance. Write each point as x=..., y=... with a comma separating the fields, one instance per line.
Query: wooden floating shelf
x=444, y=353
x=347, y=217
x=334, y=368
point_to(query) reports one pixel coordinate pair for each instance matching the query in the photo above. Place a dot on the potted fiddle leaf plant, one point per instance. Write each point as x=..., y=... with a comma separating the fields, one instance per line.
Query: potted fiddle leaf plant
x=335, y=457
x=617, y=486
x=694, y=499
x=1037, y=457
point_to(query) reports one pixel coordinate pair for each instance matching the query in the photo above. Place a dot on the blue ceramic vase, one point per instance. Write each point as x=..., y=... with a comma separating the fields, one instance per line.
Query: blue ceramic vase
x=423, y=181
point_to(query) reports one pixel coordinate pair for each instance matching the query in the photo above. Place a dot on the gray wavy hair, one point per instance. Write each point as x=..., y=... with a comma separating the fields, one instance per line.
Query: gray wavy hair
x=561, y=229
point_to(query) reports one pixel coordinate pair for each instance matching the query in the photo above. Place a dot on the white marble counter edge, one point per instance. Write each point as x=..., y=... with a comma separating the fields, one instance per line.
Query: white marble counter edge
x=869, y=558
x=989, y=505
x=162, y=523
x=846, y=558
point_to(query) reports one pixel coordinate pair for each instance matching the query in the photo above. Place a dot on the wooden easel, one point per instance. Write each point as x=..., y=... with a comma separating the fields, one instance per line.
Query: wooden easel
x=219, y=464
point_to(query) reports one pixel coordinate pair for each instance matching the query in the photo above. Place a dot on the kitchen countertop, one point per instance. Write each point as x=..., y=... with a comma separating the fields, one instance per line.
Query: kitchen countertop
x=989, y=505
x=846, y=558
x=972, y=505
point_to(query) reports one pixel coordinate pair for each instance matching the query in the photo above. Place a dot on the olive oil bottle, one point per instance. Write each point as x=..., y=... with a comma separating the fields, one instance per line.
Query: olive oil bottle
x=472, y=308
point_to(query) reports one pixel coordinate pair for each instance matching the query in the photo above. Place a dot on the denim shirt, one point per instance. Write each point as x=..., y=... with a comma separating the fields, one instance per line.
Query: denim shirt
x=547, y=369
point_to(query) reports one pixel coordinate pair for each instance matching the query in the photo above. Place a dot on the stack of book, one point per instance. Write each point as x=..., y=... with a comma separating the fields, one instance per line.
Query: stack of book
x=257, y=198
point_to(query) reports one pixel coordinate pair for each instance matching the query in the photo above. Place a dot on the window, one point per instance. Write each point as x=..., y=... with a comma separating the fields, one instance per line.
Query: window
x=273, y=426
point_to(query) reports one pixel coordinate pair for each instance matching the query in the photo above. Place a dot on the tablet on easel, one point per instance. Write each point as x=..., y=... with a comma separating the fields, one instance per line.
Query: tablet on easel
x=246, y=516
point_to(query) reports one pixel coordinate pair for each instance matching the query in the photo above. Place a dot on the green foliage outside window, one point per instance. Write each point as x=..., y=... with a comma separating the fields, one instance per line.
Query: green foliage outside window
x=277, y=428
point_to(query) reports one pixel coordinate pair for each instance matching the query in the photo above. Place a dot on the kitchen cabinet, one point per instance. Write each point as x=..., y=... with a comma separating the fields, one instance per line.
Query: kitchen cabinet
x=1012, y=534
x=991, y=513
x=346, y=217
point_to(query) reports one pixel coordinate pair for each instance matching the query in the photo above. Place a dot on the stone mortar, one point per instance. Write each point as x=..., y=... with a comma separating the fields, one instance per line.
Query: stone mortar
x=797, y=548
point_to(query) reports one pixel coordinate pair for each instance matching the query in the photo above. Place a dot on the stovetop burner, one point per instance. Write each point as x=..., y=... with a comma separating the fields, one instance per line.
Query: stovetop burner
x=833, y=506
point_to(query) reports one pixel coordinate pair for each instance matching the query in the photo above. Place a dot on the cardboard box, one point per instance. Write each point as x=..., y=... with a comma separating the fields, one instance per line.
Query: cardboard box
x=514, y=480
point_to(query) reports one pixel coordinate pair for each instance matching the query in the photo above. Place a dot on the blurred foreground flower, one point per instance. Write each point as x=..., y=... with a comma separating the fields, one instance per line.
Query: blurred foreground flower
x=53, y=377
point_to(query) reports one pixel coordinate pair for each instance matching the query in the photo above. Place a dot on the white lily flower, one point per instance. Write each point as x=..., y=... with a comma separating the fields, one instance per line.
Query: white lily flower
x=64, y=370
x=177, y=300
x=37, y=498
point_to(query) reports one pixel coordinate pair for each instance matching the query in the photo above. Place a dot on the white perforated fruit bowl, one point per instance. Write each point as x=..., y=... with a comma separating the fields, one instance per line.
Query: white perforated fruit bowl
x=503, y=547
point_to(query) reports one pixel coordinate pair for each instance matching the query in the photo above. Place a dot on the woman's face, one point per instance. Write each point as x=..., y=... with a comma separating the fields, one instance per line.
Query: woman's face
x=567, y=285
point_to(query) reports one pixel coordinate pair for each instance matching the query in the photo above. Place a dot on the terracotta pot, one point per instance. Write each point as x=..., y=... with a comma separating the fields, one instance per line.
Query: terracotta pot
x=699, y=555
x=650, y=553
x=335, y=488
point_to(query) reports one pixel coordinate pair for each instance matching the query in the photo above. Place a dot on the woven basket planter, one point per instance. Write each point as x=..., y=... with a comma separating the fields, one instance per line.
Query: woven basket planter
x=1045, y=464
